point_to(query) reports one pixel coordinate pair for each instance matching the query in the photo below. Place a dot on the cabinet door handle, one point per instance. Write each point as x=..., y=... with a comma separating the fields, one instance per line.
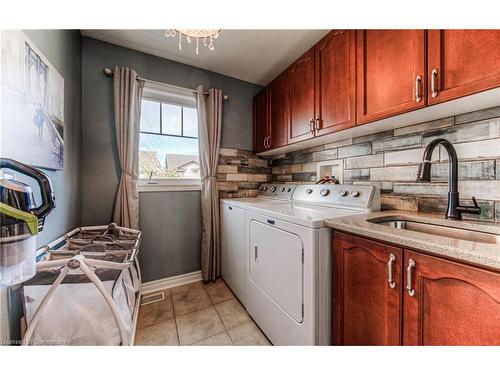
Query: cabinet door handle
x=255, y=253
x=418, y=81
x=434, y=91
x=311, y=125
x=392, y=259
x=269, y=141
x=266, y=142
x=318, y=122
x=409, y=288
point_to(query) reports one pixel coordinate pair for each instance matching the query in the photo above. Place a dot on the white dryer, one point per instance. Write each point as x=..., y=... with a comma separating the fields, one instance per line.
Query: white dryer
x=234, y=234
x=289, y=267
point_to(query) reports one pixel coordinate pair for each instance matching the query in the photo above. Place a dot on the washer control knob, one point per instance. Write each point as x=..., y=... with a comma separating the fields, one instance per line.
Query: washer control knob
x=342, y=192
x=355, y=194
x=324, y=192
x=288, y=190
x=273, y=189
x=309, y=191
x=282, y=189
x=265, y=188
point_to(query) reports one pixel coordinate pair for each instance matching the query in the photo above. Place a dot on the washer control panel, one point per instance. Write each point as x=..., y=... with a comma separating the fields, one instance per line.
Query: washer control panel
x=360, y=197
x=283, y=191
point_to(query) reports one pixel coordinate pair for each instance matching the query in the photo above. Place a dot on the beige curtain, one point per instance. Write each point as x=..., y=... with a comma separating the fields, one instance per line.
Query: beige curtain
x=209, y=132
x=128, y=94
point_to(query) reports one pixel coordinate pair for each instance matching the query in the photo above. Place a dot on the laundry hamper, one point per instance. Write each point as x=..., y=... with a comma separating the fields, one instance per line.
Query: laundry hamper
x=86, y=290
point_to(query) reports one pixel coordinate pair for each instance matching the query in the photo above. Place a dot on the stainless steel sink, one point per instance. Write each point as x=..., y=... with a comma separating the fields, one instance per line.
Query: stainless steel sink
x=438, y=230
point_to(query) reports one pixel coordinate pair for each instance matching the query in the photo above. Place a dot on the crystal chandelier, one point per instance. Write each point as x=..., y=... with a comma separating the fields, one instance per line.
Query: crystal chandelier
x=207, y=36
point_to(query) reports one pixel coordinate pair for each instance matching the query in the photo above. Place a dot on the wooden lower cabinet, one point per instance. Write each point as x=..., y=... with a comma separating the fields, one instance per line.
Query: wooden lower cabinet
x=434, y=301
x=452, y=304
x=367, y=310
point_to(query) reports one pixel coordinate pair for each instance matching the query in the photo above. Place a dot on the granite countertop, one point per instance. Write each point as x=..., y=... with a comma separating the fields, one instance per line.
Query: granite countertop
x=477, y=253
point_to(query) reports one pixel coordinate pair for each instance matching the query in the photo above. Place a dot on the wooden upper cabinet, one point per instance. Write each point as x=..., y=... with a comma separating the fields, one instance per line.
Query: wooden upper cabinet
x=301, y=98
x=278, y=111
x=452, y=304
x=462, y=62
x=367, y=309
x=335, y=57
x=356, y=77
x=390, y=73
x=260, y=121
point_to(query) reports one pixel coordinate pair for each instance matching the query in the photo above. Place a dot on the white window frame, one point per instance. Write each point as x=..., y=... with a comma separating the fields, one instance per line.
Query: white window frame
x=174, y=96
x=167, y=184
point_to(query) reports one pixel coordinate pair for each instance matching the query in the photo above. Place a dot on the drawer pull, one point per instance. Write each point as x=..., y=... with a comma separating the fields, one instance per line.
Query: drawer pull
x=311, y=125
x=270, y=221
x=411, y=266
x=318, y=123
x=392, y=259
x=255, y=253
x=434, y=91
x=418, y=82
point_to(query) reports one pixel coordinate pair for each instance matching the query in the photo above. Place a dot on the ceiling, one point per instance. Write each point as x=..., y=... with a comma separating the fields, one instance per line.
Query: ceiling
x=255, y=56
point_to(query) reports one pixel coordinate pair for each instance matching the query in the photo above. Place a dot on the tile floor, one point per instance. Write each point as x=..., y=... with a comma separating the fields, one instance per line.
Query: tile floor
x=197, y=314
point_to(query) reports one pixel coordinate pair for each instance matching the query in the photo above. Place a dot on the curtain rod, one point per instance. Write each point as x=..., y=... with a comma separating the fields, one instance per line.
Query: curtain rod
x=110, y=72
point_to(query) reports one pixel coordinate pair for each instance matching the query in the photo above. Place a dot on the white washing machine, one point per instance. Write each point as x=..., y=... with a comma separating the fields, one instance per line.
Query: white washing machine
x=289, y=267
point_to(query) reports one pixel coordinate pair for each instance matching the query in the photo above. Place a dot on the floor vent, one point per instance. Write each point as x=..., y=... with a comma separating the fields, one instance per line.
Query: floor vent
x=152, y=298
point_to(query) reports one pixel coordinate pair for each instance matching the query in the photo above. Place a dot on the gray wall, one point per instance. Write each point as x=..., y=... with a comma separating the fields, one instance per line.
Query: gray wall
x=64, y=50
x=171, y=242
x=165, y=251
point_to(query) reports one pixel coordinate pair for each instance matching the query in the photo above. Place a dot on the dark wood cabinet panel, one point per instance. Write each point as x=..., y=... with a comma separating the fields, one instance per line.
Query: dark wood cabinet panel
x=366, y=309
x=462, y=62
x=260, y=121
x=301, y=98
x=335, y=57
x=278, y=111
x=453, y=304
x=390, y=73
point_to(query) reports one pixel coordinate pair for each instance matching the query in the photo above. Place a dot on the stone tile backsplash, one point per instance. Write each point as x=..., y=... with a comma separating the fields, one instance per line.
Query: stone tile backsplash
x=240, y=173
x=389, y=160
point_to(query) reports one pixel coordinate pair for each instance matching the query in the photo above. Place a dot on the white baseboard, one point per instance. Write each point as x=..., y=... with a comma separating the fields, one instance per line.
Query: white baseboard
x=170, y=282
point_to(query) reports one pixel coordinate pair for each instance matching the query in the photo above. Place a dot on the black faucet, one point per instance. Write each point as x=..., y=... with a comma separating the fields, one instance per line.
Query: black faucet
x=454, y=210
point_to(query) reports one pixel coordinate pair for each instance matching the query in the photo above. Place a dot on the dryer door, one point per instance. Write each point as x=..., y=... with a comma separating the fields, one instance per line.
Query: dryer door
x=276, y=267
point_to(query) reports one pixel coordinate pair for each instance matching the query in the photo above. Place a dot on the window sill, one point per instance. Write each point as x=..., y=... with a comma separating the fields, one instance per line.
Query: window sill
x=148, y=188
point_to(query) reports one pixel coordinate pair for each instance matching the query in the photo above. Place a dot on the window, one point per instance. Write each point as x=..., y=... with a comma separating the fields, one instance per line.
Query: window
x=168, y=146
